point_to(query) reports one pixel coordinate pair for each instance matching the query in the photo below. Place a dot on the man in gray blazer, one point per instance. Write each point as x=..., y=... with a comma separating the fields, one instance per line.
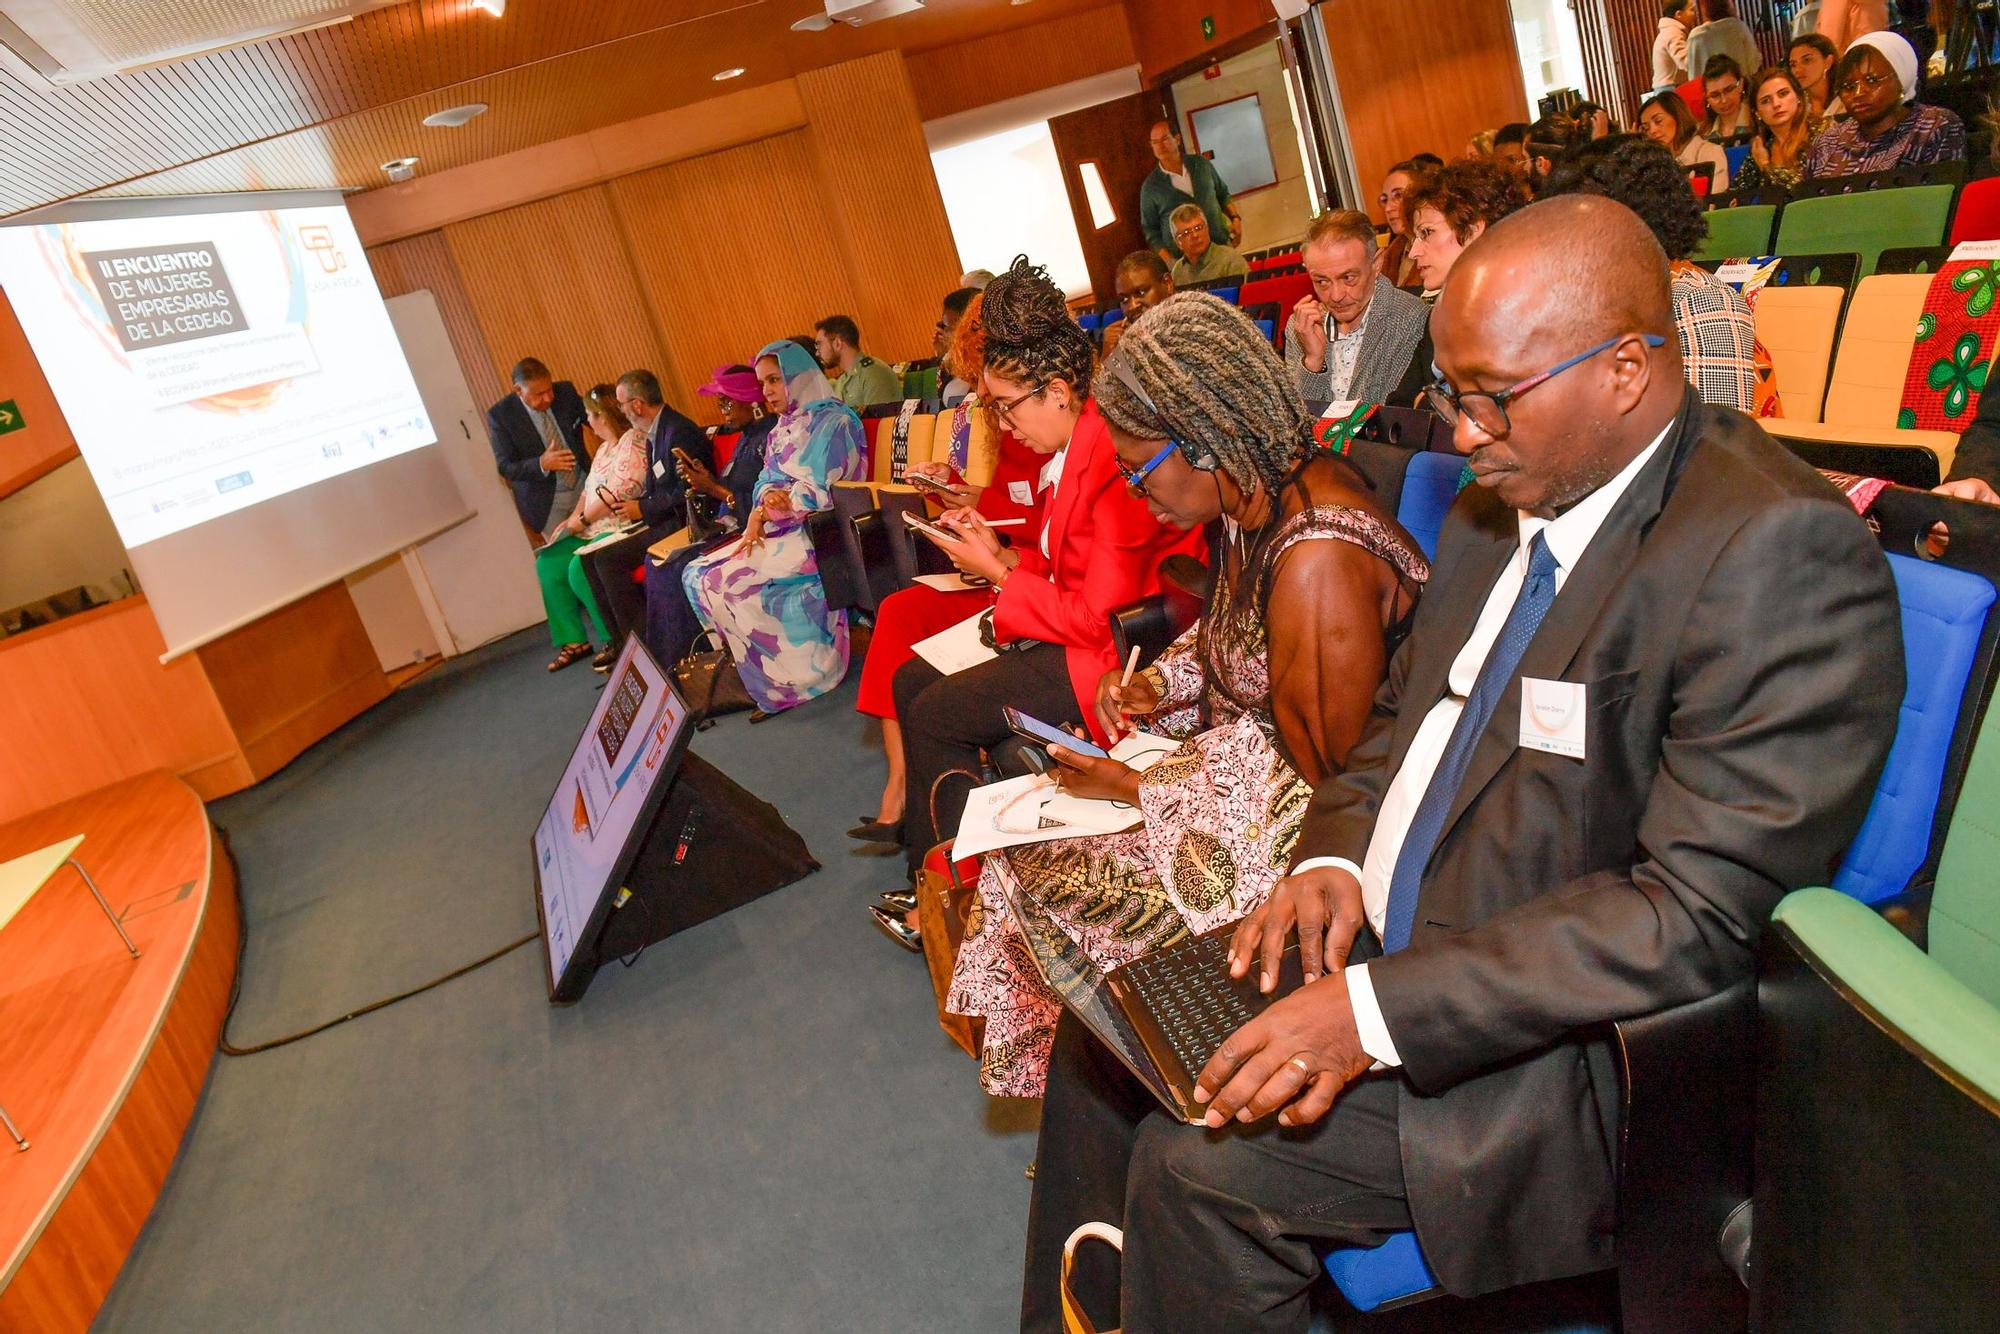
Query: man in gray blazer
x=1355, y=337
x=1649, y=691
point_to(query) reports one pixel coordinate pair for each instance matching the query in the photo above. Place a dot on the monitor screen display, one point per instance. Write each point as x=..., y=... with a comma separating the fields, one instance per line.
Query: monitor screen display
x=609, y=794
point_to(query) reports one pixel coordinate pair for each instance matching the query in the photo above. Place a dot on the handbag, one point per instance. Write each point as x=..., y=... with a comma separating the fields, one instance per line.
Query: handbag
x=945, y=907
x=709, y=682
x=1074, y=1318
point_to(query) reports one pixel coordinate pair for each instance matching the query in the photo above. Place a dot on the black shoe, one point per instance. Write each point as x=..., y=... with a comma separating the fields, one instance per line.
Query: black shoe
x=891, y=924
x=874, y=831
x=900, y=900
x=605, y=658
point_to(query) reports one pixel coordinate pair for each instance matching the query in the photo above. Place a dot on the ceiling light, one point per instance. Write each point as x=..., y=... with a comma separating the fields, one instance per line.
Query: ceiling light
x=813, y=23
x=735, y=72
x=494, y=7
x=453, y=117
x=400, y=169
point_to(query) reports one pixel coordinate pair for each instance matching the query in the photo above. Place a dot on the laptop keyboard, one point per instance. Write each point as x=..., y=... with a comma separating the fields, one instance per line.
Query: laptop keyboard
x=1190, y=992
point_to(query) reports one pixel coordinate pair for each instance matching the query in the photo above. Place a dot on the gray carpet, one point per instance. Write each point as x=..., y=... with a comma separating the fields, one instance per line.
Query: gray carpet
x=758, y=1126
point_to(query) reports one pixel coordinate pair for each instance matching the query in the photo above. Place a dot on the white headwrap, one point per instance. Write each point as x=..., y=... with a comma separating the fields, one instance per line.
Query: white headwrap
x=1896, y=49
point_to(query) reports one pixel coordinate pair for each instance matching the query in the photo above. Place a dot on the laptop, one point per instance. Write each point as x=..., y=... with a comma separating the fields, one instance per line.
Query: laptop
x=1163, y=1014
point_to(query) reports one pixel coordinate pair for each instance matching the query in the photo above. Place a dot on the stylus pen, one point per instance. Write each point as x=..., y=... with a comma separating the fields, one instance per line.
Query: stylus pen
x=1005, y=523
x=1131, y=661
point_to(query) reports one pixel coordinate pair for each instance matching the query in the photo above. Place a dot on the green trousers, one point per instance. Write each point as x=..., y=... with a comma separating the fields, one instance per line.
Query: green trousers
x=566, y=593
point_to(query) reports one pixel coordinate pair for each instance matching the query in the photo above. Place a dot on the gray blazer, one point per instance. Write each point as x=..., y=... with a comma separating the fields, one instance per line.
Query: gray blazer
x=1395, y=361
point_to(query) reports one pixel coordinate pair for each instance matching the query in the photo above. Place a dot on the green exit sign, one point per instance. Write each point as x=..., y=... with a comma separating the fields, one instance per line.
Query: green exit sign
x=10, y=417
x=1208, y=27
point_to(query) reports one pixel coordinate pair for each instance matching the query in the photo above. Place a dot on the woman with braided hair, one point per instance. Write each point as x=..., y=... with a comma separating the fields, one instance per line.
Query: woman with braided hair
x=1098, y=548
x=1314, y=587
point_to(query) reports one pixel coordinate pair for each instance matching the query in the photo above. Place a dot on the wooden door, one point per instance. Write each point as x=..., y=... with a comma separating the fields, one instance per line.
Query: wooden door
x=1112, y=137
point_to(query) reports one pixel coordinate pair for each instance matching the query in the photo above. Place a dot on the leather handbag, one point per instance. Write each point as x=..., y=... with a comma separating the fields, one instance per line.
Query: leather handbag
x=947, y=897
x=709, y=682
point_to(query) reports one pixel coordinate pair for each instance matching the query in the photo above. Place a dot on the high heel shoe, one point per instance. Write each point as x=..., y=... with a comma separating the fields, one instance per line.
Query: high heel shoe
x=892, y=925
x=875, y=831
x=900, y=900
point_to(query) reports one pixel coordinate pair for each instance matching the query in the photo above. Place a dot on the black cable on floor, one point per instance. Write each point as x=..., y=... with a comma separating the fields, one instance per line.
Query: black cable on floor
x=236, y=986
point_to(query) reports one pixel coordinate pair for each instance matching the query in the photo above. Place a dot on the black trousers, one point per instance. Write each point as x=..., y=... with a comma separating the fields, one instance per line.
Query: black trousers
x=1224, y=1229
x=609, y=572
x=948, y=720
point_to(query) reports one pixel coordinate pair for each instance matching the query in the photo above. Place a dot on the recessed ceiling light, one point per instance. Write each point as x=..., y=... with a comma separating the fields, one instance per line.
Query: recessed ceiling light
x=400, y=169
x=734, y=72
x=452, y=117
x=494, y=7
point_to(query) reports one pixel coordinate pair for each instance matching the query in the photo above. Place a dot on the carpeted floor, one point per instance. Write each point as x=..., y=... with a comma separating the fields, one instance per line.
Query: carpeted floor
x=758, y=1126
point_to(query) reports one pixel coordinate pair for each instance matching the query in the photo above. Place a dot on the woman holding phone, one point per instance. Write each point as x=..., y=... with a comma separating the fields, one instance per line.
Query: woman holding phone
x=1315, y=586
x=1097, y=549
x=617, y=473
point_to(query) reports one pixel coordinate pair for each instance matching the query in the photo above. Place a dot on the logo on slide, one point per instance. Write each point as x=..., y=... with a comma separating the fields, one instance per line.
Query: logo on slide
x=318, y=241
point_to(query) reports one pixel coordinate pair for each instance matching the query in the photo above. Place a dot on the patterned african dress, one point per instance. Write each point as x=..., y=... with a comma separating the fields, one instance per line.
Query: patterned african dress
x=1221, y=816
x=767, y=602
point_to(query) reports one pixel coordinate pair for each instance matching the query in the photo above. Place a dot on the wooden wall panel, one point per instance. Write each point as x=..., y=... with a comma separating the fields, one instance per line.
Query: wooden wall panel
x=45, y=444
x=552, y=279
x=765, y=271
x=1166, y=34
x=1012, y=64
x=424, y=263
x=877, y=184
x=1423, y=75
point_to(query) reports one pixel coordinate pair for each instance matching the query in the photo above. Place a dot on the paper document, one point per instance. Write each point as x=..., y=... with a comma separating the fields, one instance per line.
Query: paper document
x=949, y=583
x=618, y=534
x=956, y=649
x=1032, y=809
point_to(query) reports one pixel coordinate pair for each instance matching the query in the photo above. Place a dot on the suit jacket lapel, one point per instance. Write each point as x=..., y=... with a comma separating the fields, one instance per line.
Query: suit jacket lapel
x=1082, y=454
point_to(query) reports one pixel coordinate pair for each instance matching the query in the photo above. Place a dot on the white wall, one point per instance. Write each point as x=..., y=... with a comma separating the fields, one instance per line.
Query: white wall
x=56, y=535
x=1277, y=214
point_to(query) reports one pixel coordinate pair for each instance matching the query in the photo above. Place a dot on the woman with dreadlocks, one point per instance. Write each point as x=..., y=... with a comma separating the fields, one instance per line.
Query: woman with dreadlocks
x=1097, y=549
x=1314, y=587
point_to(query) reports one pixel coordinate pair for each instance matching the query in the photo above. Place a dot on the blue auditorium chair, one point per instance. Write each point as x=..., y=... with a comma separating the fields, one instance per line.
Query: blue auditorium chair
x=1089, y=321
x=1269, y=328
x=1228, y=294
x=1430, y=484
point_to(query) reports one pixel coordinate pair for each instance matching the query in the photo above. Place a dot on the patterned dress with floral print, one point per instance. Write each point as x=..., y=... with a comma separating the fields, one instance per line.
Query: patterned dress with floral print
x=1221, y=816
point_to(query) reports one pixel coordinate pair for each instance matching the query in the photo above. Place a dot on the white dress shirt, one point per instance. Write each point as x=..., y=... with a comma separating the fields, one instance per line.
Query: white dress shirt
x=1568, y=536
x=1052, y=472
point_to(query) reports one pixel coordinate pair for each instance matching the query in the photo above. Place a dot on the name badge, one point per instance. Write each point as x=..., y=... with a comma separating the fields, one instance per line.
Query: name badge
x=1553, y=716
x=1021, y=493
x=659, y=467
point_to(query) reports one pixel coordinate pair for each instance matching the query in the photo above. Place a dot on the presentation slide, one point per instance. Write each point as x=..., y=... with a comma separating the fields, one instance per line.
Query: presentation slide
x=583, y=833
x=210, y=361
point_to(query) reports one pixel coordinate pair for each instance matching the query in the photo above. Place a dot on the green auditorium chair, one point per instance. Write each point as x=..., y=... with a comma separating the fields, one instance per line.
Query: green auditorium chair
x=1868, y=222
x=1738, y=233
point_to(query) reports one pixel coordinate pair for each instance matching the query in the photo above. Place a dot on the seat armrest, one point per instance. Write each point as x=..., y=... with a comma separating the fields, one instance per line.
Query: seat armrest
x=1909, y=912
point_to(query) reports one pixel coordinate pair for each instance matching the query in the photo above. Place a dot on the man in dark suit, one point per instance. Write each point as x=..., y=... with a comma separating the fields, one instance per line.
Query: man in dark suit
x=537, y=438
x=1649, y=690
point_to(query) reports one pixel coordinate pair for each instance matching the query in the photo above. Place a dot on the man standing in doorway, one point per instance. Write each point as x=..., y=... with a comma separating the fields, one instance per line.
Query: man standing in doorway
x=1179, y=179
x=536, y=433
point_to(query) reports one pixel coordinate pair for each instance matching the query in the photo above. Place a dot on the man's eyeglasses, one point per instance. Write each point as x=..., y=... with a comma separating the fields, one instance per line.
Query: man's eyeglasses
x=1135, y=478
x=1388, y=195
x=1190, y=231
x=1489, y=411
x=1869, y=81
x=1003, y=408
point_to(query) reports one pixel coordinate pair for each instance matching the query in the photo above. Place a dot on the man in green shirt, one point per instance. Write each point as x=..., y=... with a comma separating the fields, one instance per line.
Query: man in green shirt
x=860, y=379
x=1202, y=260
x=1178, y=180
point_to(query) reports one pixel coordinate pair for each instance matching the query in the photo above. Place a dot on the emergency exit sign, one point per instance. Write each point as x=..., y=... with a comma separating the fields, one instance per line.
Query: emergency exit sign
x=1208, y=27
x=10, y=417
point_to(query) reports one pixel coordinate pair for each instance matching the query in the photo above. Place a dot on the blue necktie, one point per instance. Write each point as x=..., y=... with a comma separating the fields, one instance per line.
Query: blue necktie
x=1538, y=590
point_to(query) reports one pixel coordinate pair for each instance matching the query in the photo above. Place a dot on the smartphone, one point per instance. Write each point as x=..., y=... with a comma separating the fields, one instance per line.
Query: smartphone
x=1034, y=729
x=932, y=485
x=928, y=529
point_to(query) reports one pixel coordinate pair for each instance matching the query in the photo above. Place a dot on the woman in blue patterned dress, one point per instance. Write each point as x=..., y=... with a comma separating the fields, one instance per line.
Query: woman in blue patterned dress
x=762, y=593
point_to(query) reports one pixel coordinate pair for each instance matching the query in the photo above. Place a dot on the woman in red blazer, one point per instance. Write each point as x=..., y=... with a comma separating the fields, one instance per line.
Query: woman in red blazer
x=1098, y=548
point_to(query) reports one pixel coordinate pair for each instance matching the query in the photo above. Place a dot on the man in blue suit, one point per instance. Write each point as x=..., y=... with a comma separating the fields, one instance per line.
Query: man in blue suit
x=537, y=437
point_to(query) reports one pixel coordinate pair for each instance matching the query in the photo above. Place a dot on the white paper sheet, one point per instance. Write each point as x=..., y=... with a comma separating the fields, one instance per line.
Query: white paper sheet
x=1032, y=809
x=955, y=649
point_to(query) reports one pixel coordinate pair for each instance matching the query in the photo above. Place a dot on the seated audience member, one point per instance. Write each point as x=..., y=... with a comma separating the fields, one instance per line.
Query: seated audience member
x=1098, y=548
x=1510, y=147
x=987, y=470
x=1666, y=120
x=1202, y=260
x=1592, y=122
x=535, y=433
x=617, y=474
x=761, y=592
x=1143, y=282
x=1785, y=129
x=1735, y=628
x=858, y=379
x=1547, y=138
x=1670, y=43
x=1721, y=36
x=1356, y=336
x=671, y=626
x=1315, y=585
x=976, y=279
x=1729, y=115
x=951, y=390
x=1479, y=148
x=1717, y=334
x=1975, y=467
x=1393, y=261
x=1876, y=80
x=1812, y=60
x=1453, y=210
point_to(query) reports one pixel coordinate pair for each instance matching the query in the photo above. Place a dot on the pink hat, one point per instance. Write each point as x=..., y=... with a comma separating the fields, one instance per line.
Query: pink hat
x=733, y=382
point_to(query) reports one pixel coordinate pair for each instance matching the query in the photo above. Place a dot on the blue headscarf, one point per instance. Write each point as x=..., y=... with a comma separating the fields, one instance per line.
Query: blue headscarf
x=805, y=382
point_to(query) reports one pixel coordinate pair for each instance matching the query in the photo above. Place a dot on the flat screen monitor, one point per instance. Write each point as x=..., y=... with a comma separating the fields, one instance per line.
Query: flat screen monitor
x=596, y=820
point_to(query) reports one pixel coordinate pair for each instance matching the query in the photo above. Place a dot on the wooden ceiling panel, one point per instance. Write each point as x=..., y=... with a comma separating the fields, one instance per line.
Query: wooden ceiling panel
x=325, y=108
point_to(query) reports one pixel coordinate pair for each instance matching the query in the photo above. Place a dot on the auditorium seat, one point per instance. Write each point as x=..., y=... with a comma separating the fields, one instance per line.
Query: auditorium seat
x=724, y=444
x=1269, y=328
x=1284, y=289
x=1978, y=215
x=1743, y=232
x=923, y=426
x=1228, y=294
x=1867, y=222
x=1912, y=259
x=1090, y=321
x=1430, y=484
x=1736, y=155
x=1796, y=325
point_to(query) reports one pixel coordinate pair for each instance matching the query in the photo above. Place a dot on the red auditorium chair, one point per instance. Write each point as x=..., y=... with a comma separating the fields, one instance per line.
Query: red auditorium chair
x=1978, y=216
x=1286, y=290
x=1278, y=261
x=724, y=445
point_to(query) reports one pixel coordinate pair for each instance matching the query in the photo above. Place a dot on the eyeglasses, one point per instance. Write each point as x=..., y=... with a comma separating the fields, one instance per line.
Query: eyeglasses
x=1003, y=408
x=1388, y=195
x=1489, y=411
x=1135, y=478
x=1727, y=90
x=1192, y=230
x=1870, y=81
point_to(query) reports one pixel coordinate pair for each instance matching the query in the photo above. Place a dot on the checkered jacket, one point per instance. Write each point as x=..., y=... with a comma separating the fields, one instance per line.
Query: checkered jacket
x=1718, y=338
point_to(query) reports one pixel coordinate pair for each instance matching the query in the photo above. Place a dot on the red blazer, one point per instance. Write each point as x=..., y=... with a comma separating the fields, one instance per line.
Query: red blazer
x=1105, y=550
